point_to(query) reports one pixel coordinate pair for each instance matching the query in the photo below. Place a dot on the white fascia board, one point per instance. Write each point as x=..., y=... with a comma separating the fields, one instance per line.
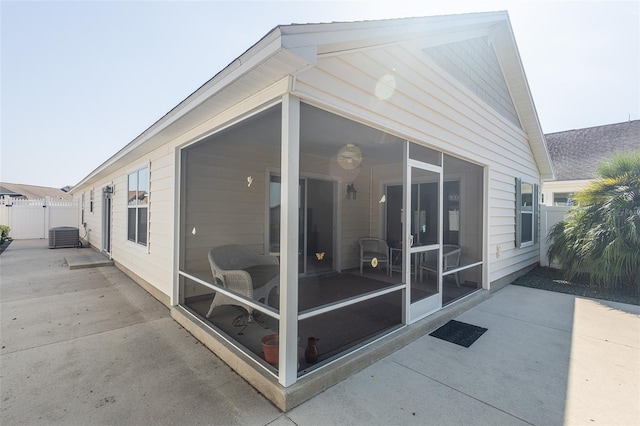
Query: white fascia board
x=454, y=37
x=353, y=35
x=536, y=136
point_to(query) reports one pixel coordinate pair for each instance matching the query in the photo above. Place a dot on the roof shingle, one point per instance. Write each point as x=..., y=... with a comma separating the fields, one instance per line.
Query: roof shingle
x=575, y=154
x=33, y=192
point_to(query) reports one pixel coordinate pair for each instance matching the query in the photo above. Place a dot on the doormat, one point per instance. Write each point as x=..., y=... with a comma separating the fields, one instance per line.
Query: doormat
x=4, y=245
x=460, y=333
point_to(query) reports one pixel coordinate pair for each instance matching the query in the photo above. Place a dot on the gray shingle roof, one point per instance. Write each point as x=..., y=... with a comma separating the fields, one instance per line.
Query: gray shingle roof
x=575, y=154
x=33, y=192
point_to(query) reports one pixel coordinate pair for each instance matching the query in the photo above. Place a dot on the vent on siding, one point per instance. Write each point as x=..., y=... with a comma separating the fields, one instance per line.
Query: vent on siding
x=64, y=236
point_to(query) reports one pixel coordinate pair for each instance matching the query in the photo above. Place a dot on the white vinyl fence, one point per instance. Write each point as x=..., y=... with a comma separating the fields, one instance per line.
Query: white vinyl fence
x=549, y=216
x=30, y=219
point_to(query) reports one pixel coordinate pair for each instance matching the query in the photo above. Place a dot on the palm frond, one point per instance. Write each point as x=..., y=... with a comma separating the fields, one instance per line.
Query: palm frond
x=601, y=235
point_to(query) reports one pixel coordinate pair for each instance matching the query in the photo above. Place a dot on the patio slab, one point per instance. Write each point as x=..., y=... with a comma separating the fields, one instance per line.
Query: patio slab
x=546, y=358
x=575, y=362
x=91, y=347
x=147, y=373
x=86, y=258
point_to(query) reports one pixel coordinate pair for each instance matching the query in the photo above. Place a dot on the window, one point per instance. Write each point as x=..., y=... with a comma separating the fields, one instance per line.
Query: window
x=82, y=207
x=91, y=201
x=526, y=213
x=563, y=198
x=137, y=206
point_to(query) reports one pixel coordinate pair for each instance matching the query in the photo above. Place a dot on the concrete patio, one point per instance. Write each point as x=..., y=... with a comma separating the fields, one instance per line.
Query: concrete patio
x=89, y=346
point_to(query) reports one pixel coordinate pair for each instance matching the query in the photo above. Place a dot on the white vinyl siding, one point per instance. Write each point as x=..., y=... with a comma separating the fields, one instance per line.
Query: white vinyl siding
x=431, y=107
x=474, y=63
x=155, y=264
x=428, y=106
x=567, y=186
x=222, y=204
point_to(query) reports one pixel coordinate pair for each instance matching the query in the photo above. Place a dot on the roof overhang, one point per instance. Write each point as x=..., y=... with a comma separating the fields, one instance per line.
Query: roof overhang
x=264, y=64
x=507, y=50
x=289, y=49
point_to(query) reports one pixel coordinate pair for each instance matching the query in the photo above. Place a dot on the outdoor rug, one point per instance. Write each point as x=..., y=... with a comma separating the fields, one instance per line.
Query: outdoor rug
x=460, y=333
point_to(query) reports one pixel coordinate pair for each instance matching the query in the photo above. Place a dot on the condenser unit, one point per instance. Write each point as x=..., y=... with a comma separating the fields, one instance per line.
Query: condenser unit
x=64, y=236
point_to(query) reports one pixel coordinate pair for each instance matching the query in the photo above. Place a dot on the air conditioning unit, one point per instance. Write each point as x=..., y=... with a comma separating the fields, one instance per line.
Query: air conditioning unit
x=64, y=236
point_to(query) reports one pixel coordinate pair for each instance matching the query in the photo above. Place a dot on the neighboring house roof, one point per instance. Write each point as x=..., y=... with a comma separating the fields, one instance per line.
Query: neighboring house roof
x=32, y=192
x=575, y=154
x=289, y=49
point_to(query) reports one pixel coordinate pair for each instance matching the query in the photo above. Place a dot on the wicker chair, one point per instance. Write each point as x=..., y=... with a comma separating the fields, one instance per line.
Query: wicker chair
x=450, y=259
x=373, y=248
x=242, y=271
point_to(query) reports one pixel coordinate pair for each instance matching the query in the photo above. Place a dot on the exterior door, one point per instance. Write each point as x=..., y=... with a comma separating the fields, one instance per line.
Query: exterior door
x=106, y=220
x=316, y=229
x=423, y=216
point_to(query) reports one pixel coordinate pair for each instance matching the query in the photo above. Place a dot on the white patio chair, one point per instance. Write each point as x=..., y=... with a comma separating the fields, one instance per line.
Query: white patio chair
x=450, y=260
x=240, y=270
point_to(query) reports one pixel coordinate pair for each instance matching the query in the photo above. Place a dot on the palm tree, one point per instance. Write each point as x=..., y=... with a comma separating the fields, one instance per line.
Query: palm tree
x=601, y=235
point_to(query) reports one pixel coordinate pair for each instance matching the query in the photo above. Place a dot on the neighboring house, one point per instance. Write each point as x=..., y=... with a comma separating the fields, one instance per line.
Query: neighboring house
x=575, y=155
x=32, y=192
x=30, y=210
x=417, y=129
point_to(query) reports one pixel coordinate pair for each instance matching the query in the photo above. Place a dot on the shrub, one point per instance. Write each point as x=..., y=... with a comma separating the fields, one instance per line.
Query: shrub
x=4, y=233
x=601, y=235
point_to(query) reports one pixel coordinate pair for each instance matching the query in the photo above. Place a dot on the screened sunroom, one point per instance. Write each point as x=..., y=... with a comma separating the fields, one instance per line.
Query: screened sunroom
x=297, y=223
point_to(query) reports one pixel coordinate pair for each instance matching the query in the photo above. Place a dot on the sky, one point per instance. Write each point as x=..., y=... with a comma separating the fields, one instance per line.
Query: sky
x=79, y=80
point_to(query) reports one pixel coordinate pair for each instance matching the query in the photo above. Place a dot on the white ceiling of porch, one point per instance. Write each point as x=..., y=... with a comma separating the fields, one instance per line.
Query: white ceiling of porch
x=321, y=133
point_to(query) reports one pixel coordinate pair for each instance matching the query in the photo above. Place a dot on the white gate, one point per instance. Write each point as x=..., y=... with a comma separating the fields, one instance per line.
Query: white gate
x=30, y=219
x=549, y=216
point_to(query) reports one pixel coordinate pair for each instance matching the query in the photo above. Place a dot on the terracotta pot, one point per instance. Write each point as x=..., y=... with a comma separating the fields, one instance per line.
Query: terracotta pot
x=270, y=347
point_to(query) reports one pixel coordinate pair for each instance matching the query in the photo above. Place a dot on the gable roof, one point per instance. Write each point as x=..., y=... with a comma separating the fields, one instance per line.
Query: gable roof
x=575, y=154
x=32, y=192
x=289, y=49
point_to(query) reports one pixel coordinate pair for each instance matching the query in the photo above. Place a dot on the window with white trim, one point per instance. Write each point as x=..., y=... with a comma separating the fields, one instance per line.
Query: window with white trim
x=563, y=198
x=137, y=206
x=526, y=213
x=91, y=201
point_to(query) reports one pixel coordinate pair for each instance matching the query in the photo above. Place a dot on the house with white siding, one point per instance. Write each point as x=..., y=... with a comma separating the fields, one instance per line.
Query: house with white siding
x=244, y=208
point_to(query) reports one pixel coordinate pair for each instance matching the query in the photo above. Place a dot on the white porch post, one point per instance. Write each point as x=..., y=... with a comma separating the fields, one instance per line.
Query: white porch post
x=406, y=233
x=290, y=153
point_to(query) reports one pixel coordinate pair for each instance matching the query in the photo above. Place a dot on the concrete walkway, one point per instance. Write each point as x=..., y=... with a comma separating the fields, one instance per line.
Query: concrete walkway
x=90, y=347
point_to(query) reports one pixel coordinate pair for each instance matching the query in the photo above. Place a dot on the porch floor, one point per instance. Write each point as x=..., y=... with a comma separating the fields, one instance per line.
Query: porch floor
x=338, y=330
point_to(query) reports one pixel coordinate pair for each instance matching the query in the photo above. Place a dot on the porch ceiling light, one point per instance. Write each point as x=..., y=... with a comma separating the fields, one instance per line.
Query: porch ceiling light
x=349, y=157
